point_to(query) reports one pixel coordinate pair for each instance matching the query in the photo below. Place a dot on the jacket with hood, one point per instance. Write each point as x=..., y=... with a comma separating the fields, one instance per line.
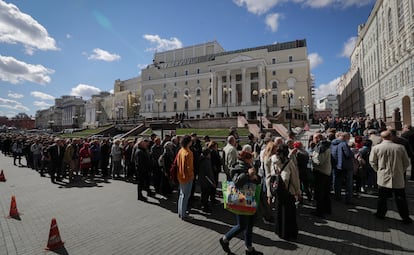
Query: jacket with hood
x=341, y=155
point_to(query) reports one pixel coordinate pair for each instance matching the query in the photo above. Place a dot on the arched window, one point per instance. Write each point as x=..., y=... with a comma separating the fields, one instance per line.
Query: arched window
x=198, y=92
x=274, y=85
x=175, y=94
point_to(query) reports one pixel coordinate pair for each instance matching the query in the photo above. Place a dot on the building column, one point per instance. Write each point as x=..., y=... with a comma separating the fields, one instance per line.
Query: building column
x=261, y=77
x=245, y=91
x=213, y=87
x=220, y=91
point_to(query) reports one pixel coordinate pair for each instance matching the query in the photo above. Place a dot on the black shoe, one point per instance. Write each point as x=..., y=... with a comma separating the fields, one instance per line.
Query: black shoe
x=142, y=198
x=225, y=245
x=187, y=218
x=407, y=221
x=381, y=217
x=207, y=210
x=253, y=252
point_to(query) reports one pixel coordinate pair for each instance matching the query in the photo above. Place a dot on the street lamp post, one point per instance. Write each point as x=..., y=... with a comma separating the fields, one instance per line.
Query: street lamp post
x=301, y=99
x=158, y=101
x=227, y=93
x=261, y=94
x=187, y=98
x=307, y=112
x=288, y=94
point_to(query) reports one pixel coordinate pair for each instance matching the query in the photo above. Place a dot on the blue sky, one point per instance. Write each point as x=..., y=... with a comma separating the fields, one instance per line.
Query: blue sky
x=51, y=48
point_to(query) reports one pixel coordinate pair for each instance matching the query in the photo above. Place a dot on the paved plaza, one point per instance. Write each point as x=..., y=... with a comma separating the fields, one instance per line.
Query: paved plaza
x=105, y=217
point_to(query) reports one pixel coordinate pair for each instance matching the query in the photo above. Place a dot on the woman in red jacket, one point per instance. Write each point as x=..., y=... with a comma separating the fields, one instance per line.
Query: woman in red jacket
x=85, y=159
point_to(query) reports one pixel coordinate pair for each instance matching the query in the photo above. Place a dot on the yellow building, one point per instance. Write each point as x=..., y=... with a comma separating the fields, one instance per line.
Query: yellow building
x=205, y=80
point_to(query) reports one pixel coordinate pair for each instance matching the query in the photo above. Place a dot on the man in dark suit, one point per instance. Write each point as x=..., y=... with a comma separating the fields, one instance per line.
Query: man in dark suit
x=55, y=155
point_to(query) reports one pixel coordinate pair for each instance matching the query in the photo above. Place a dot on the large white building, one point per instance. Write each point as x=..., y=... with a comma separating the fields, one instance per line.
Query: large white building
x=330, y=103
x=384, y=54
x=205, y=80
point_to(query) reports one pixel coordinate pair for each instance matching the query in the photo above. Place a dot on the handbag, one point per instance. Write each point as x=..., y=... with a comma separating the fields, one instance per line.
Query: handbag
x=241, y=201
x=86, y=160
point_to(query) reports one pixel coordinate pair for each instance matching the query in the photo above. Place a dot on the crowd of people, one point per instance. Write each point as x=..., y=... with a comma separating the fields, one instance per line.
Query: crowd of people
x=340, y=162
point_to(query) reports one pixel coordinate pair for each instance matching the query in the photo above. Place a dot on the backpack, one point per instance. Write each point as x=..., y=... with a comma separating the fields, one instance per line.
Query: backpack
x=174, y=170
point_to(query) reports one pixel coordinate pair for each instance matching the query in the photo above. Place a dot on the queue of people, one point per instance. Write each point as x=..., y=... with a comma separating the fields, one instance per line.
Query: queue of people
x=335, y=165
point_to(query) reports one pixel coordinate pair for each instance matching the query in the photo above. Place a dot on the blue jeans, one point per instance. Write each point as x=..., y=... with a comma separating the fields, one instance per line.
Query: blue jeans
x=185, y=192
x=244, y=223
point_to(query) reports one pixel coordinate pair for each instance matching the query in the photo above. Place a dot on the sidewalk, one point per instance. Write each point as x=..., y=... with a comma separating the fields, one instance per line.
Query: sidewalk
x=98, y=217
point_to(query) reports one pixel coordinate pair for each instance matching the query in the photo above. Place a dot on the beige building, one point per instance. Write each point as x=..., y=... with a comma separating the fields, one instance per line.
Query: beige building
x=384, y=55
x=126, y=103
x=205, y=80
x=95, y=112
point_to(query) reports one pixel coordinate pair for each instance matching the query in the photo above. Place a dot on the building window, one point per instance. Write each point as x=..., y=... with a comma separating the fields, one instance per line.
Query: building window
x=291, y=71
x=274, y=100
x=238, y=77
x=209, y=91
x=400, y=13
x=186, y=72
x=186, y=82
x=165, y=75
x=274, y=85
x=273, y=61
x=175, y=106
x=164, y=96
x=164, y=107
x=198, y=104
x=175, y=94
x=165, y=85
x=224, y=79
x=175, y=74
x=274, y=73
x=254, y=76
x=198, y=92
x=149, y=77
x=175, y=84
x=390, y=28
x=198, y=81
x=290, y=58
x=186, y=93
x=198, y=70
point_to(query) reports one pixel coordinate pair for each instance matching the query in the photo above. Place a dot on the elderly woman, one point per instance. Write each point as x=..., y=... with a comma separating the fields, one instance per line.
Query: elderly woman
x=85, y=159
x=241, y=174
x=287, y=227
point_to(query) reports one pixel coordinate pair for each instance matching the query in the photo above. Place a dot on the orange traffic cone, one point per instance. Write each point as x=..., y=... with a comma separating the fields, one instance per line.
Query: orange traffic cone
x=2, y=177
x=54, y=242
x=13, y=209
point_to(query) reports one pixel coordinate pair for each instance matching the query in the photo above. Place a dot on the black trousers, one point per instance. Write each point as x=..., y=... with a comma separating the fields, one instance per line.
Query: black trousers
x=322, y=193
x=400, y=200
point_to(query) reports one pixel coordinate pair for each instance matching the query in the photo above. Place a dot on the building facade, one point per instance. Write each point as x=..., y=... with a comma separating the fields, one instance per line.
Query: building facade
x=384, y=54
x=95, y=112
x=329, y=103
x=127, y=99
x=205, y=80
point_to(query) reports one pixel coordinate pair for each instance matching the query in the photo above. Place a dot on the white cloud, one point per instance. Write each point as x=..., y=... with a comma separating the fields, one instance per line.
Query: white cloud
x=19, y=27
x=163, y=44
x=326, y=89
x=315, y=59
x=272, y=21
x=68, y=36
x=12, y=104
x=111, y=91
x=41, y=104
x=100, y=54
x=15, y=71
x=15, y=95
x=334, y=3
x=42, y=95
x=349, y=47
x=257, y=6
x=84, y=90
